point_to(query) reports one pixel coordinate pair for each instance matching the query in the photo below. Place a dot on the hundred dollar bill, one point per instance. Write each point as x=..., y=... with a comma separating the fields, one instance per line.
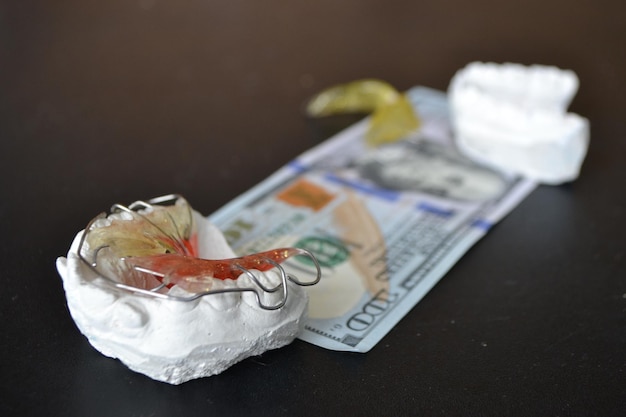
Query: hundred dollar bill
x=385, y=223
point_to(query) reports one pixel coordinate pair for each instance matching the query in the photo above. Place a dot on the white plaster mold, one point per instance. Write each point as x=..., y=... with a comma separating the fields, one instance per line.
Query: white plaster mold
x=176, y=341
x=514, y=118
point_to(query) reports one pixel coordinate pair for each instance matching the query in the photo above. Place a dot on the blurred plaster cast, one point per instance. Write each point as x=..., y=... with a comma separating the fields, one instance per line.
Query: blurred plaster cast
x=513, y=118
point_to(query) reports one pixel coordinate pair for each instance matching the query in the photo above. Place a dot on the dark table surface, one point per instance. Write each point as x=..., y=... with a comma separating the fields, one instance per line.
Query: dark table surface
x=116, y=100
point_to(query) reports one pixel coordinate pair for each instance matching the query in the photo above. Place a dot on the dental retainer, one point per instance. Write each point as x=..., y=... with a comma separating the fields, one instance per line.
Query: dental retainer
x=156, y=285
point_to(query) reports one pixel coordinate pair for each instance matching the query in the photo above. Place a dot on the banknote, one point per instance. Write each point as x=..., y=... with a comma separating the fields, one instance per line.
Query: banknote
x=385, y=223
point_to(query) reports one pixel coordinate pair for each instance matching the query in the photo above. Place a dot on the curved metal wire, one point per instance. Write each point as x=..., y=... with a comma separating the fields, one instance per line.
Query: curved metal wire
x=257, y=288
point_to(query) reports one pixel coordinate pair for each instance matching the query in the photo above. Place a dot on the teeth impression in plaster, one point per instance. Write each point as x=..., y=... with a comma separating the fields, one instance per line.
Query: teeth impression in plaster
x=514, y=118
x=157, y=286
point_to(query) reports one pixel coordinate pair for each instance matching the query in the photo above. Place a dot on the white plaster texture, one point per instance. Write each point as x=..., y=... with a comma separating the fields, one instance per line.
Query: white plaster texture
x=176, y=341
x=514, y=118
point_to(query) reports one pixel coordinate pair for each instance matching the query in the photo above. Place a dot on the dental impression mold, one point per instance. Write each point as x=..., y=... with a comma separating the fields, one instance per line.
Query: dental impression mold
x=514, y=118
x=157, y=286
